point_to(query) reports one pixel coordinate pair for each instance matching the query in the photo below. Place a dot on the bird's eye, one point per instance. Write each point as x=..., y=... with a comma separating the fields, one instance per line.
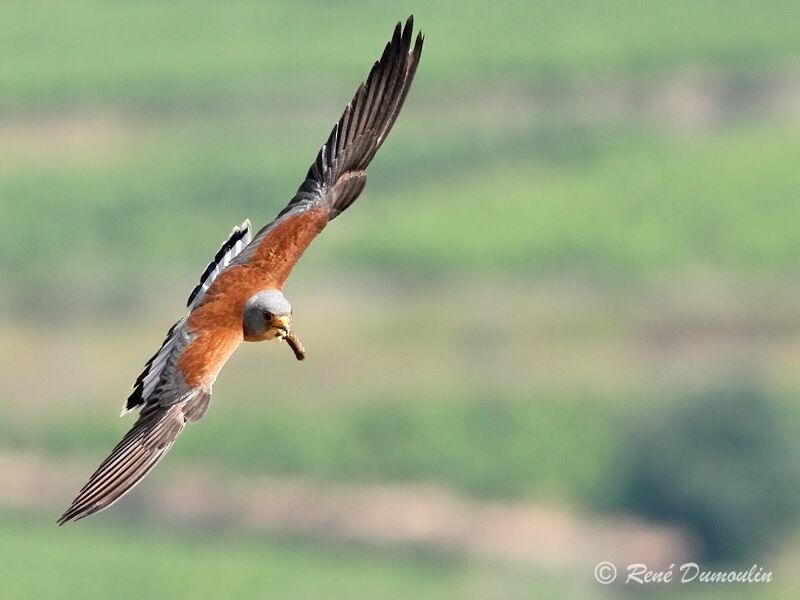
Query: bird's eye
x=268, y=315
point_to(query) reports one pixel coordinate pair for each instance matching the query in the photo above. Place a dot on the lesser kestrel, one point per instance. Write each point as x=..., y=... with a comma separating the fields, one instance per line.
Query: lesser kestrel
x=239, y=297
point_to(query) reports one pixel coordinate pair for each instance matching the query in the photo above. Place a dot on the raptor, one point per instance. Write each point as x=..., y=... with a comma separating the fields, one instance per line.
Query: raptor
x=240, y=294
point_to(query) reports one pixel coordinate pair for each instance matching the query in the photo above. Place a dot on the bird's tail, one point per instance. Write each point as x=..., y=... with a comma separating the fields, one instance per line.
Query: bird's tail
x=134, y=457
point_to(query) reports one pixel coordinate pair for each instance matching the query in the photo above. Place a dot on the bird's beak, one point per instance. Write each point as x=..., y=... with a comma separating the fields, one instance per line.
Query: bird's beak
x=282, y=324
x=283, y=331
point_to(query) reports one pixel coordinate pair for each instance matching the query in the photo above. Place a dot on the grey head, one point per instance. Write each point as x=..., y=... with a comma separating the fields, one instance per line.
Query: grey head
x=267, y=315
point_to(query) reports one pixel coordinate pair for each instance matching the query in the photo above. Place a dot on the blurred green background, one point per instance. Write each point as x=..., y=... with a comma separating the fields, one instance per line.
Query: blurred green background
x=561, y=326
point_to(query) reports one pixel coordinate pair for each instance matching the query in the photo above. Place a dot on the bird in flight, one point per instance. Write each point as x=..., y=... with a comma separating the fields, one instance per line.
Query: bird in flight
x=239, y=297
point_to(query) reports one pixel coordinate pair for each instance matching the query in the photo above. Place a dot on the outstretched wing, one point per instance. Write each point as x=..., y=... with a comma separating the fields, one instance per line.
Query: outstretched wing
x=159, y=371
x=173, y=389
x=135, y=456
x=182, y=396
x=338, y=175
x=237, y=241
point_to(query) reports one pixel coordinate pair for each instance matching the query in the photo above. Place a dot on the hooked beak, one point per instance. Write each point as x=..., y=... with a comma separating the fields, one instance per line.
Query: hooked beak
x=283, y=325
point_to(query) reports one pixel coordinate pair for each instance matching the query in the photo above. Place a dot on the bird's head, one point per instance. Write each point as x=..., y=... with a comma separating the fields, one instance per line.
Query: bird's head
x=267, y=316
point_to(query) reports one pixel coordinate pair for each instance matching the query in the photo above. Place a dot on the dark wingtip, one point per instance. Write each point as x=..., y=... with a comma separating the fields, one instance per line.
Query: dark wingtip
x=397, y=34
x=408, y=31
x=366, y=122
x=69, y=517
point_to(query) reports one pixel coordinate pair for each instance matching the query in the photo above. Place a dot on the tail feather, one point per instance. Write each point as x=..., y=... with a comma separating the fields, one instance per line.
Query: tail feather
x=134, y=457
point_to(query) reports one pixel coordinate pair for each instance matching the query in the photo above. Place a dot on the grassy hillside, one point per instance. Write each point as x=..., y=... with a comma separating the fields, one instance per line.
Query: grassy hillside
x=629, y=206
x=502, y=448
x=84, y=52
x=134, y=136
x=97, y=563
x=586, y=211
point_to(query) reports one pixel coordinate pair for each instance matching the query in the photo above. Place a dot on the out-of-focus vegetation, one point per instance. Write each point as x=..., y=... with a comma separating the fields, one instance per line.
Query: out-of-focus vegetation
x=211, y=115
x=636, y=205
x=586, y=209
x=720, y=459
x=123, y=563
x=145, y=54
x=500, y=447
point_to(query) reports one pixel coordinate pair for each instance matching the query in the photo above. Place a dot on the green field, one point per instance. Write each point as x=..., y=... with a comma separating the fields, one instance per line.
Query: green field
x=93, y=562
x=98, y=562
x=637, y=206
x=586, y=213
x=97, y=174
x=486, y=447
x=84, y=53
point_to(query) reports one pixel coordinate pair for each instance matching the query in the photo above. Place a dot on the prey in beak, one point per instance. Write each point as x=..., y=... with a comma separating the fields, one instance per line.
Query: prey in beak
x=283, y=330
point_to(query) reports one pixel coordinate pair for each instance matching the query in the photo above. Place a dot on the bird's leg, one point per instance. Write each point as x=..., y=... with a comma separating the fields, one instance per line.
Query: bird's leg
x=297, y=347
